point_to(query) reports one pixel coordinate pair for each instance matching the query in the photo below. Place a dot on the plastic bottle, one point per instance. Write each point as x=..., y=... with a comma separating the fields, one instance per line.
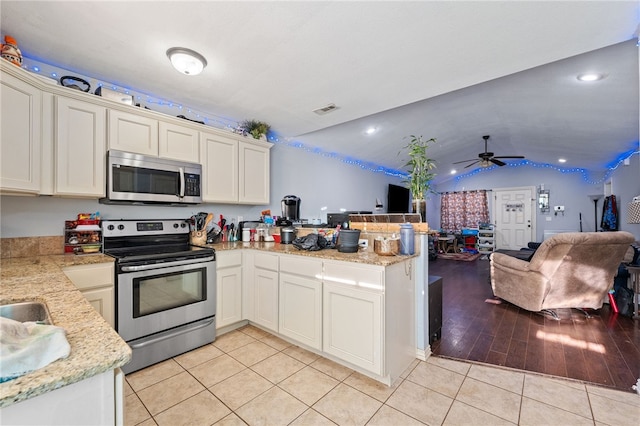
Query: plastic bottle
x=407, y=239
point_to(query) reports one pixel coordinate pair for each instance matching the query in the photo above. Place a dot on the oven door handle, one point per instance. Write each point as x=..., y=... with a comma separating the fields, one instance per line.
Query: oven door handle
x=192, y=327
x=137, y=268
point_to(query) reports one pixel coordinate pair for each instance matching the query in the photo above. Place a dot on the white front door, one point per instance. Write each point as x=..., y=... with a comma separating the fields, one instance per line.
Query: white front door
x=512, y=210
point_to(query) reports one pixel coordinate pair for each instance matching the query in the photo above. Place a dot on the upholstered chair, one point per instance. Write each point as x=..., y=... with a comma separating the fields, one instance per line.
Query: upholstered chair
x=568, y=270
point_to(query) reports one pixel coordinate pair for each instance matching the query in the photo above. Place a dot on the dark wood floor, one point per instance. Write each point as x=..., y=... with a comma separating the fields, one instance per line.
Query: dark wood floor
x=603, y=349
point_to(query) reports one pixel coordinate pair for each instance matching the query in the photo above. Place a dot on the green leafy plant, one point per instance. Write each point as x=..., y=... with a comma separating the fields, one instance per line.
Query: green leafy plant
x=420, y=166
x=255, y=128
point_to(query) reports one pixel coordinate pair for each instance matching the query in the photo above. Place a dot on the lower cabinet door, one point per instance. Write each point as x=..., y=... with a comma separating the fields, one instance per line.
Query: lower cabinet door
x=301, y=309
x=265, y=298
x=102, y=300
x=228, y=296
x=352, y=325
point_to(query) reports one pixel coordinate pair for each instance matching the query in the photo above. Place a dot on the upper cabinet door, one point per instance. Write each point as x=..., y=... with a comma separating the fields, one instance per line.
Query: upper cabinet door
x=178, y=142
x=80, y=148
x=219, y=156
x=20, y=137
x=254, y=173
x=133, y=133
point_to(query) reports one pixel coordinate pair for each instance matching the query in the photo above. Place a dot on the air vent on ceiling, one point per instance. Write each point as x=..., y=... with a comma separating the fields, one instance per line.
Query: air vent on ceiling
x=325, y=109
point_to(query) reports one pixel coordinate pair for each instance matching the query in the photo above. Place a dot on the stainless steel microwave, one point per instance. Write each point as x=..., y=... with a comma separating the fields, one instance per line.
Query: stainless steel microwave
x=136, y=178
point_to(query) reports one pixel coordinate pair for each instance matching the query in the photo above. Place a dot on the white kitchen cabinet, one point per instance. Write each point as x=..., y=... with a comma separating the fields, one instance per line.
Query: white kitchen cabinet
x=219, y=157
x=95, y=282
x=80, y=146
x=20, y=134
x=352, y=324
x=98, y=400
x=254, y=172
x=235, y=171
x=228, y=287
x=265, y=290
x=178, y=142
x=300, y=307
x=368, y=316
x=132, y=133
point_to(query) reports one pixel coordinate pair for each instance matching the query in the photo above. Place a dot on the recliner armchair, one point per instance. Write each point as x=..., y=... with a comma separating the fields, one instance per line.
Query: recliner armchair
x=568, y=270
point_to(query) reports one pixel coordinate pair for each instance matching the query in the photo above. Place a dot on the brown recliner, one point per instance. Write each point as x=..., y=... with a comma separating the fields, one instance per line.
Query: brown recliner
x=568, y=270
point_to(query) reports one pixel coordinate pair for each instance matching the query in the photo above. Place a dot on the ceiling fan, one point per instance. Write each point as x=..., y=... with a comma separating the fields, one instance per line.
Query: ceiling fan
x=486, y=158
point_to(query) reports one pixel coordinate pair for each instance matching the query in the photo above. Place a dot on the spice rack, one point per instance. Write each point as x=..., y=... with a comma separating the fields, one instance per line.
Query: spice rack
x=82, y=236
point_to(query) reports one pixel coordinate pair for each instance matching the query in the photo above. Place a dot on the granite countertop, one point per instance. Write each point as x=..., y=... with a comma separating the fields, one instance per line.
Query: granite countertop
x=366, y=256
x=95, y=346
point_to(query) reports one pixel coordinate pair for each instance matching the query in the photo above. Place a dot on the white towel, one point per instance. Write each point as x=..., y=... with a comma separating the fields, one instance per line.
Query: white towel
x=28, y=346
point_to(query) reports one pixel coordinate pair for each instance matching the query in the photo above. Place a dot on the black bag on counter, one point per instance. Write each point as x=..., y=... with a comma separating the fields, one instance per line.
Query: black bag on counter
x=312, y=242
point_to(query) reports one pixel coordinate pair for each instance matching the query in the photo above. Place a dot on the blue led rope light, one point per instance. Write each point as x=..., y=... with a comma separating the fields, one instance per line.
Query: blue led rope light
x=230, y=124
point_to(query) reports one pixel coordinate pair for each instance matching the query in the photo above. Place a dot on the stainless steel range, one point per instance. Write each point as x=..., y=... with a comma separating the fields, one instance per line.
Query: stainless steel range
x=165, y=288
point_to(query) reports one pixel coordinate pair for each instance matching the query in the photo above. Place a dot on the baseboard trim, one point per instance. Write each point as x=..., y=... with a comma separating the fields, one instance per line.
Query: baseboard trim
x=423, y=354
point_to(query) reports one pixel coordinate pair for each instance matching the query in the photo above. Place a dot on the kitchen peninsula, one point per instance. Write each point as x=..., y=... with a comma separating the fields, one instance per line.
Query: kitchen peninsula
x=86, y=386
x=357, y=309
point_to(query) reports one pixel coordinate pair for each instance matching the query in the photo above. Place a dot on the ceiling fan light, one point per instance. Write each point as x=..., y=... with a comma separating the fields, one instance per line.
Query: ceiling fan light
x=186, y=61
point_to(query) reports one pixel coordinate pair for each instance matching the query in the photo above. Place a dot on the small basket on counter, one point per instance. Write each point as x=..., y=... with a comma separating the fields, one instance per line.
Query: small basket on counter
x=386, y=246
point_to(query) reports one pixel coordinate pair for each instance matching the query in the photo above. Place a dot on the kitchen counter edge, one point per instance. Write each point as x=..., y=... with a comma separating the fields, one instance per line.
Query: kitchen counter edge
x=366, y=256
x=95, y=346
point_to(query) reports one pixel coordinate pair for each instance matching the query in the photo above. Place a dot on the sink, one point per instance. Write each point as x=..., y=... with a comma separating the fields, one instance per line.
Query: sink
x=26, y=311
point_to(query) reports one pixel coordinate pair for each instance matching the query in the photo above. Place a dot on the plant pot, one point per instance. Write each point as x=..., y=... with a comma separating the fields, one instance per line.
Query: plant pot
x=420, y=206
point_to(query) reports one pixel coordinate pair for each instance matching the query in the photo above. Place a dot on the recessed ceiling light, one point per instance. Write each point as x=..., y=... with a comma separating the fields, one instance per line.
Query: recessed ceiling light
x=370, y=130
x=562, y=160
x=454, y=171
x=592, y=76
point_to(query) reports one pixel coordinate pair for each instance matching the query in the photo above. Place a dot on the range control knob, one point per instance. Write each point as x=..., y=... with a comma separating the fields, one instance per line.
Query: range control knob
x=111, y=227
x=120, y=227
x=175, y=225
x=183, y=225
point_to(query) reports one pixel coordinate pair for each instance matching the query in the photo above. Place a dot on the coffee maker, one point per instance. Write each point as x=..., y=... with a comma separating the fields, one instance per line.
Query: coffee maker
x=291, y=208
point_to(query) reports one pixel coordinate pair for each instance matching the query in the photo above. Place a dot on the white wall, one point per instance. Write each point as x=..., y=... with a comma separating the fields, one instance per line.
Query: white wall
x=567, y=189
x=318, y=181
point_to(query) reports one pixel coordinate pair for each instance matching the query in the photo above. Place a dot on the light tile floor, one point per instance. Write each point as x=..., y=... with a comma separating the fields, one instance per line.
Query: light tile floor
x=251, y=377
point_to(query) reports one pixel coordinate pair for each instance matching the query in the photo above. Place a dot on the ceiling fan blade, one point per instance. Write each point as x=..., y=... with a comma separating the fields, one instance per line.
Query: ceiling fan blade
x=510, y=156
x=464, y=161
x=477, y=161
x=498, y=162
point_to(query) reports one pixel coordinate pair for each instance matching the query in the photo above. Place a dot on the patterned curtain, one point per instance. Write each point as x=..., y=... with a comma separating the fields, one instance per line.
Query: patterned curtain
x=464, y=209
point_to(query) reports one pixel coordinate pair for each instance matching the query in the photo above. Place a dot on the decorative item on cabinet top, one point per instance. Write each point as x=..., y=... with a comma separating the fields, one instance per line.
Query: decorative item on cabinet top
x=83, y=235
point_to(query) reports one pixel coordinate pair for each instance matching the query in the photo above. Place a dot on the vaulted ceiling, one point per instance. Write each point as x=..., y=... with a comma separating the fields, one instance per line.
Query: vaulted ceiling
x=452, y=70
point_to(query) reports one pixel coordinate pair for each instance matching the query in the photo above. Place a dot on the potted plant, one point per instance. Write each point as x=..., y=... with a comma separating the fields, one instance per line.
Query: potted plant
x=256, y=128
x=420, y=171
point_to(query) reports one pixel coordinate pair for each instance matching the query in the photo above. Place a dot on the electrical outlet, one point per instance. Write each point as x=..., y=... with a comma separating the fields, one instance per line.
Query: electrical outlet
x=363, y=242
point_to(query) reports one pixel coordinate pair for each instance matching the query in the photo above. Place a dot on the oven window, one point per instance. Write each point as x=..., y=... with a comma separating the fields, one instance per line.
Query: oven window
x=167, y=291
x=145, y=181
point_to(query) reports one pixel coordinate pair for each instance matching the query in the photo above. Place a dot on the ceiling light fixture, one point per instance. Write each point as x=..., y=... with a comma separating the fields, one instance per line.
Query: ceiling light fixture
x=562, y=160
x=592, y=76
x=371, y=130
x=186, y=61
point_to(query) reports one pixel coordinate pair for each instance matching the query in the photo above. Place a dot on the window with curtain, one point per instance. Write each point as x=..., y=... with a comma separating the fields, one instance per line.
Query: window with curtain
x=464, y=209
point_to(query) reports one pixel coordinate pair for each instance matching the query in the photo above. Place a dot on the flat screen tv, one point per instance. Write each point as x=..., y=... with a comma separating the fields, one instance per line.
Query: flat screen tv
x=398, y=199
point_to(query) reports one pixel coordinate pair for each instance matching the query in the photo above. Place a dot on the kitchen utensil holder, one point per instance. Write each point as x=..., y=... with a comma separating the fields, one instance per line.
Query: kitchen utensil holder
x=198, y=238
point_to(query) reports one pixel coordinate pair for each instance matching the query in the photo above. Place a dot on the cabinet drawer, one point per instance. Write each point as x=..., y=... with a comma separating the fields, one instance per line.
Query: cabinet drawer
x=90, y=276
x=227, y=259
x=266, y=261
x=301, y=266
x=366, y=277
